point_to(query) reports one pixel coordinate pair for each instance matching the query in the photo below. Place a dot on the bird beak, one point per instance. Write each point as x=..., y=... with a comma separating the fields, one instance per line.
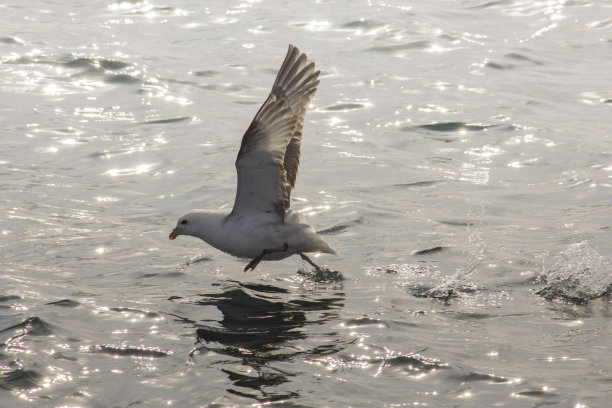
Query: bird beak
x=175, y=233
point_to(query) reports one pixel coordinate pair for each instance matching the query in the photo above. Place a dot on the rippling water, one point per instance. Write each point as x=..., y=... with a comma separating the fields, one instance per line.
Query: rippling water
x=458, y=155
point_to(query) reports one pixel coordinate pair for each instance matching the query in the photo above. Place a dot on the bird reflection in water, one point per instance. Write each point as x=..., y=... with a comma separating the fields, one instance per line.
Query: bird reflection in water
x=262, y=326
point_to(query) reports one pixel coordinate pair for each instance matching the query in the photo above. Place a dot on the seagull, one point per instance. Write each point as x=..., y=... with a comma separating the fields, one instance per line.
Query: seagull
x=261, y=225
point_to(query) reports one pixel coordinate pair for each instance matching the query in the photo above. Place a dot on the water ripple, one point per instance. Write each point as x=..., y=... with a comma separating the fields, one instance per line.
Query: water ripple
x=425, y=114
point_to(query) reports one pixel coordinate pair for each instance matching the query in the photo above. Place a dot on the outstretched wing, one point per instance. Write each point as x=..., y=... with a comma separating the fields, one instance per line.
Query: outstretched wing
x=269, y=154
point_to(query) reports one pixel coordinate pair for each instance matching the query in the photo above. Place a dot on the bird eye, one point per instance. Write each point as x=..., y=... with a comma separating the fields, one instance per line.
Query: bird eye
x=184, y=222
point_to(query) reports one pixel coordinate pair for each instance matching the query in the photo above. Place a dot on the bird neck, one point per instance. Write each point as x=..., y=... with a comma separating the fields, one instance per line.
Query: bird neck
x=208, y=225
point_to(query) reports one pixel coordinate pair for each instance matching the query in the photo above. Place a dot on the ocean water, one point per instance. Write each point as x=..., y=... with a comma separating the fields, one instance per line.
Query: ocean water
x=458, y=156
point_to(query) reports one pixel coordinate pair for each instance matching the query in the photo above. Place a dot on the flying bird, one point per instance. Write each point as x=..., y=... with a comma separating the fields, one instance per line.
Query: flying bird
x=261, y=225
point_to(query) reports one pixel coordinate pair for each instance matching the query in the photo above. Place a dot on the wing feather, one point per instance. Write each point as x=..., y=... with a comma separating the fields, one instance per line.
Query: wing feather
x=269, y=155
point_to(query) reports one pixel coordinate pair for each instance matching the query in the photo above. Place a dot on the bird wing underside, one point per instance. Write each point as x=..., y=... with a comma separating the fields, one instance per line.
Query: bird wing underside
x=269, y=155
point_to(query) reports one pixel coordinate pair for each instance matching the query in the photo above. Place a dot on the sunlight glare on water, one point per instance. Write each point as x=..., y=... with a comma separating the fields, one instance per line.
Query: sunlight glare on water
x=456, y=156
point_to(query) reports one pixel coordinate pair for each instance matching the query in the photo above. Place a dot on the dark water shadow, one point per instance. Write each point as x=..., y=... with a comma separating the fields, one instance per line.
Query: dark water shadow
x=263, y=327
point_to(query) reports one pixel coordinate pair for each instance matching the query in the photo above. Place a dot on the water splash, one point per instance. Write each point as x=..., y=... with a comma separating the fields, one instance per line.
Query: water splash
x=579, y=275
x=458, y=283
x=324, y=276
x=453, y=286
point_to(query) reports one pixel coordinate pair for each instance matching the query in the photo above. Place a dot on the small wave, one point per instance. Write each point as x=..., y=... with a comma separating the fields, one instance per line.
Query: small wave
x=419, y=184
x=130, y=351
x=207, y=73
x=412, y=364
x=166, y=275
x=473, y=377
x=94, y=64
x=33, y=325
x=601, y=24
x=266, y=379
x=451, y=127
x=579, y=275
x=344, y=107
x=19, y=380
x=11, y=40
x=392, y=49
x=361, y=25
x=363, y=321
x=107, y=70
x=124, y=79
x=494, y=3
x=430, y=251
x=244, y=338
x=338, y=228
x=520, y=57
x=454, y=223
x=165, y=121
x=131, y=311
x=64, y=303
x=77, y=63
x=499, y=66
x=113, y=65
x=535, y=393
x=139, y=8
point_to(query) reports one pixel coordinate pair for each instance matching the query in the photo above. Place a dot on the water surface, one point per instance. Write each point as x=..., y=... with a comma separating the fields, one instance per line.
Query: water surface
x=457, y=155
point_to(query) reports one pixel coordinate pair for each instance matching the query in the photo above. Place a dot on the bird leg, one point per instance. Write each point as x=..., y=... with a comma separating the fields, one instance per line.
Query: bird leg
x=317, y=267
x=253, y=264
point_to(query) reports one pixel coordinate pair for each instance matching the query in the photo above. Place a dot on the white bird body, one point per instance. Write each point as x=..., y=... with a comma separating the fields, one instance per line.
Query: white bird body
x=246, y=237
x=261, y=224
